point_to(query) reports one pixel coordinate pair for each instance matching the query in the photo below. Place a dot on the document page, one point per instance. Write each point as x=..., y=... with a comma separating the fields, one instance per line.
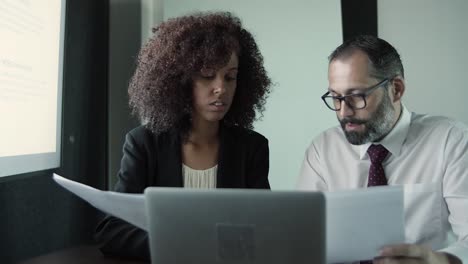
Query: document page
x=361, y=221
x=129, y=207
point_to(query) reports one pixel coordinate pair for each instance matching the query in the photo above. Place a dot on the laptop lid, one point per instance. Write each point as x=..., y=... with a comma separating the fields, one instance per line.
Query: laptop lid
x=235, y=226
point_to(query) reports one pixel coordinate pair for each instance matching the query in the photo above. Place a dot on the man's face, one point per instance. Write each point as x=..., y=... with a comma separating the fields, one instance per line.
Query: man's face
x=350, y=75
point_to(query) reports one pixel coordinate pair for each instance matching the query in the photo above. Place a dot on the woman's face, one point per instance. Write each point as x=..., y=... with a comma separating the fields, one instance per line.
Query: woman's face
x=213, y=91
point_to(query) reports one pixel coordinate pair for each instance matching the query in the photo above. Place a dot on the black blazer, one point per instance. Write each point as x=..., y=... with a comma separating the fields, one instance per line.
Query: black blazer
x=155, y=160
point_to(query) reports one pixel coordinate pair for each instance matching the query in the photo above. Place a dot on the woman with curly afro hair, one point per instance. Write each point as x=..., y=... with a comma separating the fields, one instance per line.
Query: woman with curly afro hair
x=197, y=88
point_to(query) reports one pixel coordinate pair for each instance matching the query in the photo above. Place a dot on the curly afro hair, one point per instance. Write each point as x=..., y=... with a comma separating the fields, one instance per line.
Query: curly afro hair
x=161, y=88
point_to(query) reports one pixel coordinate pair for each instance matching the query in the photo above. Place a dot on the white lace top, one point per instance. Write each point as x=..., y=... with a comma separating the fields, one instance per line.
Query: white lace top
x=199, y=178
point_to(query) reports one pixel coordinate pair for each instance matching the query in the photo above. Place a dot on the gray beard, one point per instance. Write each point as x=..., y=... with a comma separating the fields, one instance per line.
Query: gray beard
x=376, y=127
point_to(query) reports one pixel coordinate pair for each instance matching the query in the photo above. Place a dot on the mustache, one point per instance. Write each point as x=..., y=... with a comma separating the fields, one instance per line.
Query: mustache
x=352, y=120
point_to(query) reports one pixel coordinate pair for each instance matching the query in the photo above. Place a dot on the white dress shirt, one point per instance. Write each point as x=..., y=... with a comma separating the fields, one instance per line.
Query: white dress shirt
x=428, y=155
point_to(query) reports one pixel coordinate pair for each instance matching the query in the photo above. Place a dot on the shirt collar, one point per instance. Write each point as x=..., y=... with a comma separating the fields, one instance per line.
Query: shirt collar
x=394, y=140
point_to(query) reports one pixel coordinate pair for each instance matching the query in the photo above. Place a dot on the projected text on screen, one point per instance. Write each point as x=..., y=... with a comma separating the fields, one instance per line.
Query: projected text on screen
x=30, y=76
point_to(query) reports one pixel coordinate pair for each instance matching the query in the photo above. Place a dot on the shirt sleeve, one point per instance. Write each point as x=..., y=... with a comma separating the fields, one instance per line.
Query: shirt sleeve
x=116, y=236
x=310, y=177
x=455, y=189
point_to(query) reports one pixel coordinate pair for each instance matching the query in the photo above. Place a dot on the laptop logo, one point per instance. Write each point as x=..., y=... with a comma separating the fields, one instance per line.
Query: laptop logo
x=235, y=242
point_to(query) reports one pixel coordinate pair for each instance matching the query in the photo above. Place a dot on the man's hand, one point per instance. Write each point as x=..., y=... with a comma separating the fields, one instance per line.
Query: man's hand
x=408, y=253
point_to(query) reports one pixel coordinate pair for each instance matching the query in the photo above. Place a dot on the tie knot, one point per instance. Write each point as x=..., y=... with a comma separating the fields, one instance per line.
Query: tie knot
x=377, y=153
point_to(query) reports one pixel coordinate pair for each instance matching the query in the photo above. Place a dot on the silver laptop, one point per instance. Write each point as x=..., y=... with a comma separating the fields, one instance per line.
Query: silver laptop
x=235, y=226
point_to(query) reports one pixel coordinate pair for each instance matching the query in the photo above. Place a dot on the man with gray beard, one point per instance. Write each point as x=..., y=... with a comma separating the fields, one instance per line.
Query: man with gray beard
x=380, y=142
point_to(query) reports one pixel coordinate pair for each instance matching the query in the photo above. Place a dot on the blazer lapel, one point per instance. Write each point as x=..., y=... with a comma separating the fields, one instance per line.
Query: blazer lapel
x=170, y=161
x=228, y=172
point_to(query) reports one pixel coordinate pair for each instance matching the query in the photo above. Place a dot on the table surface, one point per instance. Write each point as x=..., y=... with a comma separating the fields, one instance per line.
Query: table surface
x=78, y=255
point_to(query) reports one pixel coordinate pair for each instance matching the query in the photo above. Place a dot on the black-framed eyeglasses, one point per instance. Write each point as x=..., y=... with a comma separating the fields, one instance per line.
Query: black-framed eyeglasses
x=354, y=101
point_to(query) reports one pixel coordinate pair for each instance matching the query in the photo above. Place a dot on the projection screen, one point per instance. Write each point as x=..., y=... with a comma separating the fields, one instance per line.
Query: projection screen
x=31, y=67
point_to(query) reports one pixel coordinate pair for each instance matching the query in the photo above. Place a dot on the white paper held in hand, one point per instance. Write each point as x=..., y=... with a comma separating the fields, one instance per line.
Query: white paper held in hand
x=361, y=221
x=126, y=206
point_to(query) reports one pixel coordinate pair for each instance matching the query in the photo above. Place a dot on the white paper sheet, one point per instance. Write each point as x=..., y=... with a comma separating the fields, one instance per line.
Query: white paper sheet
x=129, y=207
x=361, y=221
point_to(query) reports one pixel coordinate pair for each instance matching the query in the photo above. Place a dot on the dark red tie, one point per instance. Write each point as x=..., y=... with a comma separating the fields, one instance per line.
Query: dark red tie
x=377, y=153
